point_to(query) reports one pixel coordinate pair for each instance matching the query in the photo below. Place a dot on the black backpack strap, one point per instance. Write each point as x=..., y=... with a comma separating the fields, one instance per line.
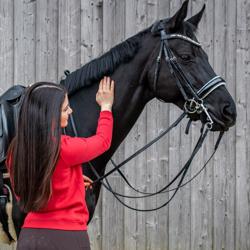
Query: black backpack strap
x=3, y=202
x=10, y=103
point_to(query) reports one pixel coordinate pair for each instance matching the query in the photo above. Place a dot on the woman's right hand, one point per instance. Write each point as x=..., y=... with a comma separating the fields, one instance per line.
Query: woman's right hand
x=105, y=94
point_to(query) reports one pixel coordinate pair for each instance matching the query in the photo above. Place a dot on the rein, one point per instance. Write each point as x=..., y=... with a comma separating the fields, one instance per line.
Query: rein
x=165, y=189
x=193, y=104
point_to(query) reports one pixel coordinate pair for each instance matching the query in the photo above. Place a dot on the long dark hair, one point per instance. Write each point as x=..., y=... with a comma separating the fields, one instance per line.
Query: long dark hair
x=34, y=151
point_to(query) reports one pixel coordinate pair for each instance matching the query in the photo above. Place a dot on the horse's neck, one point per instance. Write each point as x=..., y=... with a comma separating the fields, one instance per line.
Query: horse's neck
x=131, y=96
x=132, y=100
x=128, y=109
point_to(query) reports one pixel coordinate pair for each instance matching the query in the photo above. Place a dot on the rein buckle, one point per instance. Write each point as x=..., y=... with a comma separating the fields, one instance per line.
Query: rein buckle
x=192, y=106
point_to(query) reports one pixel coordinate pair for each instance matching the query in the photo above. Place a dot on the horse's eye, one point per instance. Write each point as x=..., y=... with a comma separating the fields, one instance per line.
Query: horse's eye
x=185, y=58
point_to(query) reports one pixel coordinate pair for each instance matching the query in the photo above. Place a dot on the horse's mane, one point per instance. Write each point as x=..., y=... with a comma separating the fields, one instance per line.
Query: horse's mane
x=104, y=65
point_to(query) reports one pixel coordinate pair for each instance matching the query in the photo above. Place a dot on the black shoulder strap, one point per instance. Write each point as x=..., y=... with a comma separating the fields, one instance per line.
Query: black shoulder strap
x=3, y=202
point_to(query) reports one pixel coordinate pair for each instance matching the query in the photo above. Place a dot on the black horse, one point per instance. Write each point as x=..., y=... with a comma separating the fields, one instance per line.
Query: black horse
x=140, y=77
x=164, y=61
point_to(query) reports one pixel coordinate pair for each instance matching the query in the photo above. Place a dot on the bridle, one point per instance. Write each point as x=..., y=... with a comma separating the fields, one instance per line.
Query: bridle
x=194, y=100
x=193, y=104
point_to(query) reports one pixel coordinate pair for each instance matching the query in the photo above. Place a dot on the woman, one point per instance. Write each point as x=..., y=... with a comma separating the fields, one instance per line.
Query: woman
x=45, y=167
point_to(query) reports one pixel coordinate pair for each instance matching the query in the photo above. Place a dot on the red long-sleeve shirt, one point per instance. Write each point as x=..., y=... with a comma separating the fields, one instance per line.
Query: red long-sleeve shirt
x=67, y=209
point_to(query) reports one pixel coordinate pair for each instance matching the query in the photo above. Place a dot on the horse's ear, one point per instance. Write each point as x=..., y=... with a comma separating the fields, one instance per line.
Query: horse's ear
x=176, y=20
x=196, y=18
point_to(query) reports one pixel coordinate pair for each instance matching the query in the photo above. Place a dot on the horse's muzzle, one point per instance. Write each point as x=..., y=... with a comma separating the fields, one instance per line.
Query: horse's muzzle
x=223, y=118
x=229, y=114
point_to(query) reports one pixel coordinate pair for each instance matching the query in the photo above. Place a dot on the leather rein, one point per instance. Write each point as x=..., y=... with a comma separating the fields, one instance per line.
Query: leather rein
x=193, y=104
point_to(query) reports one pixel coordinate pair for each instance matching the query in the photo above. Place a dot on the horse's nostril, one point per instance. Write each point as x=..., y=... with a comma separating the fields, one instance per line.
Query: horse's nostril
x=229, y=113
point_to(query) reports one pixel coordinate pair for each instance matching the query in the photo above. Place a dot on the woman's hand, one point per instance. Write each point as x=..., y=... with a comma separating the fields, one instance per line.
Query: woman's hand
x=87, y=181
x=105, y=93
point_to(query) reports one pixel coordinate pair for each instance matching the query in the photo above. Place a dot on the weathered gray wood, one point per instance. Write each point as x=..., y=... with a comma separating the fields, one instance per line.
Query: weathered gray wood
x=6, y=44
x=157, y=156
x=230, y=137
x=91, y=47
x=17, y=45
x=242, y=98
x=24, y=41
x=224, y=177
x=108, y=215
x=162, y=175
x=179, y=208
x=6, y=57
x=69, y=33
x=46, y=41
x=113, y=16
x=220, y=157
x=201, y=187
x=135, y=226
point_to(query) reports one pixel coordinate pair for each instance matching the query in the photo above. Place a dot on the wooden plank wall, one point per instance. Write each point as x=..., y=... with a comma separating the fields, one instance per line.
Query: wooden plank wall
x=41, y=38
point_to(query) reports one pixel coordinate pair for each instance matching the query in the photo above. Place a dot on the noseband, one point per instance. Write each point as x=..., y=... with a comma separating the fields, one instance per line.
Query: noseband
x=194, y=100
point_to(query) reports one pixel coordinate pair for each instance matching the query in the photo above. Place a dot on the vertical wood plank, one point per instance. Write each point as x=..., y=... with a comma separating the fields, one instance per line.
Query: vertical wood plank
x=158, y=157
x=112, y=211
x=91, y=47
x=163, y=117
x=108, y=214
x=163, y=154
x=202, y=186
x=247, y=65
x=229, y=138
x=91, y=29
x=163, y=9
x=7, y=27
x=69, y=35
x=46, y=40
x=220, y=177
x=6, y=45
x=242, y=168
x=134, y=228
x=24, y=41
x=179, y=208
x=153, y=233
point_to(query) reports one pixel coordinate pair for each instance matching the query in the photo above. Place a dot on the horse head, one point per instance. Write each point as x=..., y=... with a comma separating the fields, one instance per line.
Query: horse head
x=178, y=71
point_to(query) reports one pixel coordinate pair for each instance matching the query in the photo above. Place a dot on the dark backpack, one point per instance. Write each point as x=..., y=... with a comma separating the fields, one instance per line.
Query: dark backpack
x=10, y=103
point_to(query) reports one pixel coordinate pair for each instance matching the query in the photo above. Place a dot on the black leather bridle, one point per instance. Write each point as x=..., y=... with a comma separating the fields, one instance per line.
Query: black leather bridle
x=194, y=103
x=194, y=100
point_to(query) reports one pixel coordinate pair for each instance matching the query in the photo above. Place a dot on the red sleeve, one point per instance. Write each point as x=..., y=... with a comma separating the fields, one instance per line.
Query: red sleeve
x=76, y=150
